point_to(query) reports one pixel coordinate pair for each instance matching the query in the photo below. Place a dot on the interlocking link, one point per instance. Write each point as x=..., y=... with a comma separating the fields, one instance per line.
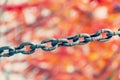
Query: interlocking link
x=9, y=52
x=68, y=43
x=19, y=49
x=117, y=33
x=108, y=32
x=52, y=44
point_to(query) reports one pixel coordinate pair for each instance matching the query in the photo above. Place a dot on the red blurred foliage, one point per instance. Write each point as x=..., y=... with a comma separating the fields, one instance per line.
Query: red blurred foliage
x=59, y=19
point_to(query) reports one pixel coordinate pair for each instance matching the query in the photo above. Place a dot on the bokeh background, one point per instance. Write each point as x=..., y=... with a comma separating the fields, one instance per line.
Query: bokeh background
x=36, y=20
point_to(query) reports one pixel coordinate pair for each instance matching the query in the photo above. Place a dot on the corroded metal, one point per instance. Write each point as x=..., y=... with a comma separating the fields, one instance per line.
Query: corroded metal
x=7, y=51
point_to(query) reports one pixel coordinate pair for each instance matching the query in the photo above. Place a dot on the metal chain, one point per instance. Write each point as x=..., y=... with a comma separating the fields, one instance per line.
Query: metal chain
x=7, y=51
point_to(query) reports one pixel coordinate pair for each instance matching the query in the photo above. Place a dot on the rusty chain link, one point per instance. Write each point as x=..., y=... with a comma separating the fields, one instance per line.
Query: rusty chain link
x=7, y=51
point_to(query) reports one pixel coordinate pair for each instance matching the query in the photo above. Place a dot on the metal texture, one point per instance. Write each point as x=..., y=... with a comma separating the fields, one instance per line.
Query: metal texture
x=101, y=36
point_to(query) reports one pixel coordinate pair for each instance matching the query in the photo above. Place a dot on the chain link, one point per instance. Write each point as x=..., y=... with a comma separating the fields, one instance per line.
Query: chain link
x=101, y=36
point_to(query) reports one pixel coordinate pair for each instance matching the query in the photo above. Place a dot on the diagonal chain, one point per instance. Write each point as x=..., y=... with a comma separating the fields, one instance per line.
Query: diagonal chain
x=7, y=51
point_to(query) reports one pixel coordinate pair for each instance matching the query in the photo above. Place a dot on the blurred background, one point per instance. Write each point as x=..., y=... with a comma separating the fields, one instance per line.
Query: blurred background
x=36, y=20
